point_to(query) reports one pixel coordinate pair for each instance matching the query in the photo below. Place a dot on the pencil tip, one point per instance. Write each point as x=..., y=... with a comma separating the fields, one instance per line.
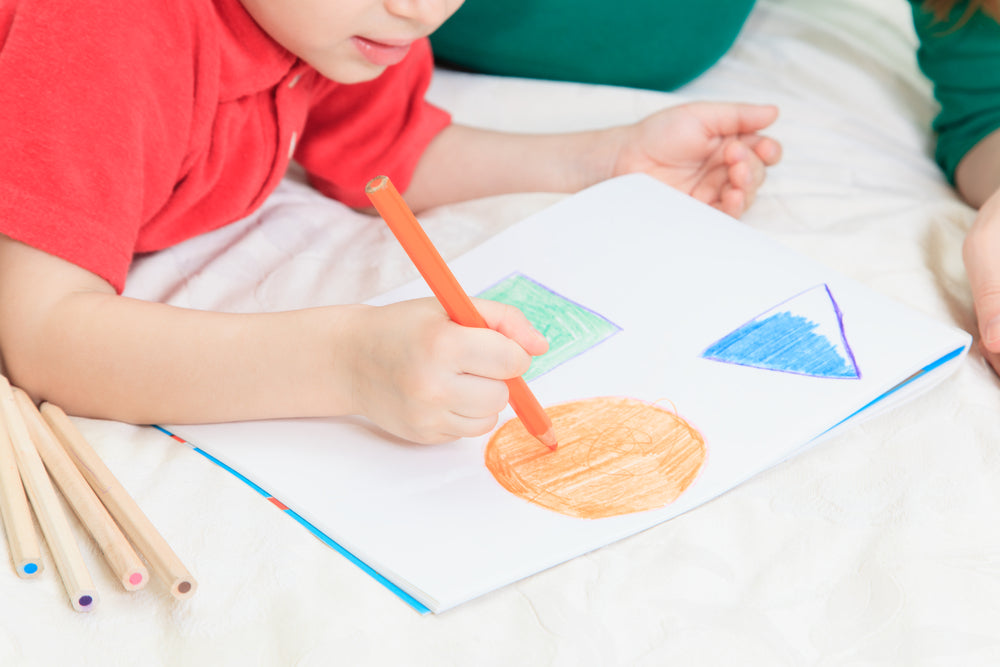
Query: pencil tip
x=548, y=439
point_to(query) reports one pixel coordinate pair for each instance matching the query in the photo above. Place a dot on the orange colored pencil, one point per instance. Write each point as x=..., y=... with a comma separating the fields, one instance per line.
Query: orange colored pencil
x=394, y=210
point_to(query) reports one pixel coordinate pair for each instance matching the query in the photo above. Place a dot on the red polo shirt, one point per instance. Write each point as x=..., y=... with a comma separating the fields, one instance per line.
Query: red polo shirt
x=127, y=127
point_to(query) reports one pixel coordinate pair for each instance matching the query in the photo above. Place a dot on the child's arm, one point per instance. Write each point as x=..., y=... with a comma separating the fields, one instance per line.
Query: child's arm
x=711, y=151
x=66, y=337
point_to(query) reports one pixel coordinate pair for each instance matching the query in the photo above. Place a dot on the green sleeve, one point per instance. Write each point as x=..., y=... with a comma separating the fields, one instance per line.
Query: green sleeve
x=658, y=44
x=962, y=60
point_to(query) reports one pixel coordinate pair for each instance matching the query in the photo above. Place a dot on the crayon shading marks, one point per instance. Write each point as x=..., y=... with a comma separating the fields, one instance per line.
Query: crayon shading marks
x=616, y=456
x=782, y=342
x=569, y=328
x=803, y=335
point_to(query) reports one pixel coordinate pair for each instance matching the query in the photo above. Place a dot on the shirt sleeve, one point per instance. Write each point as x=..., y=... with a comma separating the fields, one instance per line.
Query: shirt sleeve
x=81, y=128
x=961, y=57
x=379, y=127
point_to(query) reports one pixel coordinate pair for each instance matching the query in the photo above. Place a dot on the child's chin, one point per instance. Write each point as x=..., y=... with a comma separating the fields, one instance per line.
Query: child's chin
x=348, y=73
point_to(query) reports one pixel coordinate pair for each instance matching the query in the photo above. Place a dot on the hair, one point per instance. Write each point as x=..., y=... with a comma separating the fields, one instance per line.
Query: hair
x=942, y=9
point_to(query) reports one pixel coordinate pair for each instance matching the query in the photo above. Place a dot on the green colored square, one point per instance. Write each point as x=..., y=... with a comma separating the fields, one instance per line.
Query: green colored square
x=570, y=328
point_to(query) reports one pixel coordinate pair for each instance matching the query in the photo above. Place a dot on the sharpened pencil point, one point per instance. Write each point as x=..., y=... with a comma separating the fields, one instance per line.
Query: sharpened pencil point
x=548, y=439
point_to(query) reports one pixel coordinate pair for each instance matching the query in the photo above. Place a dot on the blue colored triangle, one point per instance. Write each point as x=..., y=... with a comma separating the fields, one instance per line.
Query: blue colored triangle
x=785, y=339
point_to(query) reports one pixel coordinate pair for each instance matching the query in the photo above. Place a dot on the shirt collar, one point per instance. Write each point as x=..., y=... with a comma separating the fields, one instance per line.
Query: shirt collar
x=251, y=61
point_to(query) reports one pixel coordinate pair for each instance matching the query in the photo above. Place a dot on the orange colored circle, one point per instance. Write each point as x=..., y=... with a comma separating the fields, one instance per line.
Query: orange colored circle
x=615, y=456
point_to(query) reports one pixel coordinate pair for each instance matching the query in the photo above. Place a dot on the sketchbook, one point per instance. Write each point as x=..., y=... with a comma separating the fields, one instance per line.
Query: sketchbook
x=688, y=353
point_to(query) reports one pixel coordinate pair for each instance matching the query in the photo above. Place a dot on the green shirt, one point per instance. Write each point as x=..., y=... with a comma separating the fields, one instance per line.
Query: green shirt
x=598, y=41
x=962, y=60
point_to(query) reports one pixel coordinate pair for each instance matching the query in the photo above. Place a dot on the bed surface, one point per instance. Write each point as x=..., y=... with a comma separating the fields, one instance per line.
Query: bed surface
x=878, y=546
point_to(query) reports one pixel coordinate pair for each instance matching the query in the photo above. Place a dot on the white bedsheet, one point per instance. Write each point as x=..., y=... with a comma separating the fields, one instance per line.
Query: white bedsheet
x=877, y=547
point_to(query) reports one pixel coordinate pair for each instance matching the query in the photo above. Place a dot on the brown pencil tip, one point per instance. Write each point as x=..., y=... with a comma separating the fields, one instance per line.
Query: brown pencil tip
x=376, y=183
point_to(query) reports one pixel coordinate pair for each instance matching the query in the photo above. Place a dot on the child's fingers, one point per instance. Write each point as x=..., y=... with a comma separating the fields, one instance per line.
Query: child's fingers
x=491, y=355
x=474, y=406
x=709, y=187
x=727, y=118
x=466, y=427
x=715, y=190
x=746, y=168
x=732, y=202
x=746, y=172
x=451, y=428
x=477, y=397
x=512, y=323
x=768, y=150
x=985, y=283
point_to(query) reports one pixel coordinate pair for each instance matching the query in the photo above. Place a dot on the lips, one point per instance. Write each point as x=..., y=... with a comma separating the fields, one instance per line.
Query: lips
x=382, y=53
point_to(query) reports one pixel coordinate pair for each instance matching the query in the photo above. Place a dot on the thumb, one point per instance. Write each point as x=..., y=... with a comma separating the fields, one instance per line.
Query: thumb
x=513, y=324
x=722, y=118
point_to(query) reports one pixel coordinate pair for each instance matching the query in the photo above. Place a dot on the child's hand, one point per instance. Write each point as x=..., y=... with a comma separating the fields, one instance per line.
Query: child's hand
x=711, y=151
x=981, y=253
x=427, y=379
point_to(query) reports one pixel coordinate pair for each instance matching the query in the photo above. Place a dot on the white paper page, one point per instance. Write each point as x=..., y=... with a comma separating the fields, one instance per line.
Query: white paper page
x=673, y=276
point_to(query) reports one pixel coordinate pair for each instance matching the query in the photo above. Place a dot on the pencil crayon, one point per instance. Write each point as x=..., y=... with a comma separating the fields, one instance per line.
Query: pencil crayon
x=126, y=565
x=48, y=509
x=25, y=548
x=394, y=210
x=134, y=523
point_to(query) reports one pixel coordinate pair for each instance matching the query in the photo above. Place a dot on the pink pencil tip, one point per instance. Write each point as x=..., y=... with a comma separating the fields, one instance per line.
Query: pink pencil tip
x=548, y=439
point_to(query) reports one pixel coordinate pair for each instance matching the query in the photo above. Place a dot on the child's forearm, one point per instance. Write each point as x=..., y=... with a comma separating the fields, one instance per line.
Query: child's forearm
x=464, y=163
x=66, y=337
x=111, y=357
x=711, y=151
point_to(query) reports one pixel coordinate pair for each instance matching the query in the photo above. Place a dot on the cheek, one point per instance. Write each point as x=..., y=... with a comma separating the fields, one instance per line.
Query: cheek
x=452, y=6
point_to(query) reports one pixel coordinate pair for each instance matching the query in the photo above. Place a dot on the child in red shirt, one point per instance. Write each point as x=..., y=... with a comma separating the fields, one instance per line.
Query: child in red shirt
x=128, y=127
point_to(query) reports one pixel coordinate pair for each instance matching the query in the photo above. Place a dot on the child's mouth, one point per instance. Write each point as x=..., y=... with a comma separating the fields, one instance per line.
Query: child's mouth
x=381, y=53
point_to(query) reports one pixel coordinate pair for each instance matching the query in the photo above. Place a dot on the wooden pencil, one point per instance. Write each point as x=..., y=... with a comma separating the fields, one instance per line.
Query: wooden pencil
x=135, y=524
x=25, y=548
x=126, y=565
x=48, y=509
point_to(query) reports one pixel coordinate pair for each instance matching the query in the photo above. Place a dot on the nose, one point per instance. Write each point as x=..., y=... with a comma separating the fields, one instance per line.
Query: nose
x=430, y=13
